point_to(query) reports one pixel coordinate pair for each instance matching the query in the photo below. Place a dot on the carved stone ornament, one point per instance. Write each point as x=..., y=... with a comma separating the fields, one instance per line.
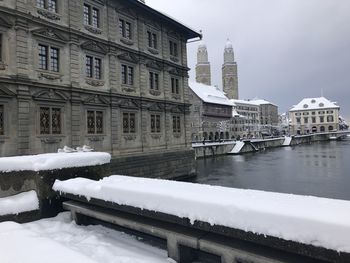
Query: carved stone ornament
x=129, y=104
x=5, y=22
x=95, y=83
x=155, y=92
x=176, y=96
x=49, y=76
x=128, y=57
x=154, y=64
x=50, y=33
x=126, y=41
x=95, y=138
x=5, y=92
x=51, y=140
x=94, y=46
x=48, y=14
x=50, y=95
x=177, y=135
x=128, y=89
x=153, y=51
x=96, y=100
x=2, y=65
x=174, y=59
x=93, y=30
x=129, y=137
x=156, y=136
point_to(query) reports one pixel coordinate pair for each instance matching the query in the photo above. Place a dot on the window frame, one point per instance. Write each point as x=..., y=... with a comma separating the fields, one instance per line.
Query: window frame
x=47, y=5
x=52, y=64
x=90, y=12
x=174, y=48
x=50, y=128
x=175, y=85
x=122, y=24
x=152, y=38
x=176, y=120
x=126, y=126
x=94, y=72
x=2, y=120
x=95, y=128
x=154, y=80
x=155, y=123
x=127, y=74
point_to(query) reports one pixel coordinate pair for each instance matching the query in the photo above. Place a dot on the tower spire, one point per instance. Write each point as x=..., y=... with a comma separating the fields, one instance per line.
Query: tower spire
x=229, y=72
x=203, y=72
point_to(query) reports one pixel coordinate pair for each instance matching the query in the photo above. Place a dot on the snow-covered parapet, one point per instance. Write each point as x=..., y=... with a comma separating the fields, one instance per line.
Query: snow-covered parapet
x=20, y=203
x=309, y=220
x=52, y=161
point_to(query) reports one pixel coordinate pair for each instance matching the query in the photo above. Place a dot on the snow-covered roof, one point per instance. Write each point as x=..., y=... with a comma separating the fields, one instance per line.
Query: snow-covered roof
x=210, y=94
x=247, y=102
x=314, y=104
x=262, y=102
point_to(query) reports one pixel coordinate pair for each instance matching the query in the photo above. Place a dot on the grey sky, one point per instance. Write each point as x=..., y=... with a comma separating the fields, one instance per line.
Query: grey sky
x=285, y=49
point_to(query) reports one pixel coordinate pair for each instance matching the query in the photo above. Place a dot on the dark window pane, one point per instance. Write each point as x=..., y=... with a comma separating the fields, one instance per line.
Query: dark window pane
x=43, y=57
x=125, y=122
x=40, y=3
x=56, y=121
x=44, y=120
x=178, y=125
x=156, y=81
x=130, y=75
x=89, y=66
x=151, y=80
x=2, y=120
x=99, y=122
x=153, y=123
x=52, y=5
x=98, y=74
x=122, y=27
x=54, y=60
x=128, y=30
x=87, y=15
x=154, y=41
x=95, y=18
x=177, y=86
x=149, y=38
x=124, y=77
x=91, y=122
x=132, y=123
x=158, y=123
x=0, y=47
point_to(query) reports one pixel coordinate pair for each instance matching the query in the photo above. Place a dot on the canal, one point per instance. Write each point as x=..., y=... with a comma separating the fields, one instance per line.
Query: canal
x=318, y=169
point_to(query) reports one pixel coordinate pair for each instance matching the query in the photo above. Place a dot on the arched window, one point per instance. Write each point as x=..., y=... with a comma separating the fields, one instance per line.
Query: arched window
x=211, y=136
x=314, y=129
x=322, y=129
x=205, y=136
x=330, y=128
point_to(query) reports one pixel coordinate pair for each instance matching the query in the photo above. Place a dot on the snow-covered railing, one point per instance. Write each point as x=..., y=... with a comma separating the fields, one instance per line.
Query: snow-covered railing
x=20, y=203
x=313, y=221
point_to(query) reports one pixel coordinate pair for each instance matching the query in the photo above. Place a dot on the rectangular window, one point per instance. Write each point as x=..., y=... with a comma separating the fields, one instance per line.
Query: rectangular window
x=40, y=3
x=173, y=48
x=153, y=81
x=43, y=57
x=125, y=29
x=93, y=67
x=298, y=120
x=89, y=66
x=127, y=75
x=87, y=14
x=176, y=124
x=152, y=40
x=306, y=120
x=322, y=119
x=175, y=86
x=52, y=5
x=54, y=59
x=2, y=128
x=95, y=122
x=313, y=119
x=129, y=123
x=155, y=123
x=95, y=18
x=50, y=120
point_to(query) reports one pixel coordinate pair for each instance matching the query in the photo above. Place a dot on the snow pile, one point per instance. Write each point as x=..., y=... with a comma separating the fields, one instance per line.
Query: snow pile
x=19, y=203
x=58, y=240
x=287, y=141
x=51, y=161
x=209, y=94
x=305, y=219
x=238, y=147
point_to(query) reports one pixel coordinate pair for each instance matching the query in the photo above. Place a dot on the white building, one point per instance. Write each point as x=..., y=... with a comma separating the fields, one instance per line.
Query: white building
x=312, y=115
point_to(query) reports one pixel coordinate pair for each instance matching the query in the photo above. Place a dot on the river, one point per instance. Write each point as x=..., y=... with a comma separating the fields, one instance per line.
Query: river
x=318, y=169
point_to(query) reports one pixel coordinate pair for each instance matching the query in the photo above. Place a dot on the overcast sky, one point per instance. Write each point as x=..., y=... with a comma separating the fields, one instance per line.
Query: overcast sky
x=285, y=49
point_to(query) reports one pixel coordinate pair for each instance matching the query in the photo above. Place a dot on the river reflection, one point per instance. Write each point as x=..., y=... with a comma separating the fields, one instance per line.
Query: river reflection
x=319, y=169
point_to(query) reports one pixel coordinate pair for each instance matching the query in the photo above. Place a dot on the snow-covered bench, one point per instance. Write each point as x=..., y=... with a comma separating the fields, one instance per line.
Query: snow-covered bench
x=236, y=225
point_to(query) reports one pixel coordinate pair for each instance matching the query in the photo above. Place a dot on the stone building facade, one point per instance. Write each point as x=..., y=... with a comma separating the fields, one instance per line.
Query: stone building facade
x=109, y=74
x=245, y=122
x=211, y=113
x=314, y=115
x=269, y=122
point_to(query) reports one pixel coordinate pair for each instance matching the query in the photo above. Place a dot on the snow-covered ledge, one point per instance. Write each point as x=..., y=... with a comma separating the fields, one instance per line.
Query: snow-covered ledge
x=52, y=161
x=309, y=220
x=20, y=203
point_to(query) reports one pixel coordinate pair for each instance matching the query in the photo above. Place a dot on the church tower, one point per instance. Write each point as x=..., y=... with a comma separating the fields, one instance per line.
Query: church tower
x=229, y=72
x=203, y=74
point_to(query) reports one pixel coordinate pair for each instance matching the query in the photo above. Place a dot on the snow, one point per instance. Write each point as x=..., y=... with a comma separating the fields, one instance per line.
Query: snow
x=315, y=104
x=51, y=161
x=238, y=147
x=23, y=202
x=59, y=239
x=210, y=94
x=287, y=141
x=305, y=219
x=247, y=102
x=261, y=102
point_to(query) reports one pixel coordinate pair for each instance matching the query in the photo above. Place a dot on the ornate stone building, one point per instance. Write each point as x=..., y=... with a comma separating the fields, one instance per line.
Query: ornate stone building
x=203, y=72
x=109, y=74
x=314, y=115
x=229, y=73
x=268, y=117
x=211, y=112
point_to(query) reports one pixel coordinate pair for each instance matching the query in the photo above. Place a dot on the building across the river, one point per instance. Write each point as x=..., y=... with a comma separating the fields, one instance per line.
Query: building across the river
x=109, y=74
x=313, y=115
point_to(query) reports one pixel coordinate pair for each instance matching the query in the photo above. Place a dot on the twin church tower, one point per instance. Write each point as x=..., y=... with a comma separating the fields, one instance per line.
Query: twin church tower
x=229, y=70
